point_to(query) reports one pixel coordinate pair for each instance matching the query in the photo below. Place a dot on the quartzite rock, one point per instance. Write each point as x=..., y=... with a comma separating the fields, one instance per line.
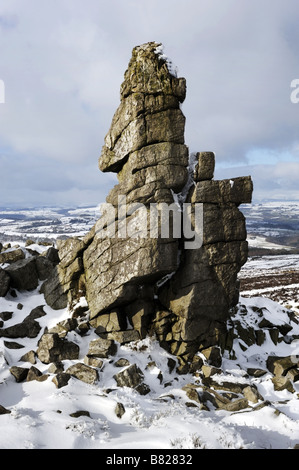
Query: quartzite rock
x=130, y=377
x=145, y=146
x=61, y=379
x=19, y=373
x=205, y=287
x=52, y=348
x=23, y=274
x=102, y=348
x=133, y=274
x=12, y=256
x=84, y=373
x=28, y=328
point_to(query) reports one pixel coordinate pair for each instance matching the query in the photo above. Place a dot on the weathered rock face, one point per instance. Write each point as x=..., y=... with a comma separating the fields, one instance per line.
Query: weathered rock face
x=145, y=146
x=4, y=283
x=204, y=288
x=164, y=257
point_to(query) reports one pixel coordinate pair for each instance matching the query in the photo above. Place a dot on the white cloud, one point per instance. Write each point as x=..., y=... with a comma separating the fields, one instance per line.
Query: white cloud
x=278, y=181
x=63, y=62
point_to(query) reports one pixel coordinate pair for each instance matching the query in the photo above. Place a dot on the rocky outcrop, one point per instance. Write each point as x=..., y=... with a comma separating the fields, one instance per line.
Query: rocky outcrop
x=145, y=147
x=163, y=259
x=131, y=272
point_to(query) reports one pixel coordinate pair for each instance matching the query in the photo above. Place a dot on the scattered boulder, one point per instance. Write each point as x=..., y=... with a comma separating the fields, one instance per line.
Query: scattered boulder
x=37, y=312
x=6, y=315
x=62, y=328
x=27, y=329
x=122, y=362
x=23, y=274
x=30, y=356
x=12, y=256
x=108, y=322
x=282, y=383
x=52, y=348
x=93, y=361
x=281, y=365
x=120, y=410
x=56, y=368
x=61, y=379
x=84, y=373
x=102, y=348
x=33, y=374
x=131, y=377
x=19, y=373
x=52, y=255
x=251, y=394
x=79, y=413
x=13, y=345
x=4, y=411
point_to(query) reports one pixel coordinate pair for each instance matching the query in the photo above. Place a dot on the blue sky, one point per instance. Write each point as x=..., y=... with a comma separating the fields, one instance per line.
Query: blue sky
x=63, y=61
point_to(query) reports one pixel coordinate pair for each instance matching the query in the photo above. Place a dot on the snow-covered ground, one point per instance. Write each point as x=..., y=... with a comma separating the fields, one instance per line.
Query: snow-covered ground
x=257, y=241
x=166, y=418
x=163, y=419
x=46, y=223
x=275, y=277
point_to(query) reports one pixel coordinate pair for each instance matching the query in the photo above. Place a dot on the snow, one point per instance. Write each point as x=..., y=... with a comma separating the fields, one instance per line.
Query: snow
x=258, y=241
x=266, y=265
x=40, y=413
x=173, y=70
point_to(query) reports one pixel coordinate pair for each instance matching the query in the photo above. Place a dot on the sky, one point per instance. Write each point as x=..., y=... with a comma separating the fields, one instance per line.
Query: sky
x=62, y=63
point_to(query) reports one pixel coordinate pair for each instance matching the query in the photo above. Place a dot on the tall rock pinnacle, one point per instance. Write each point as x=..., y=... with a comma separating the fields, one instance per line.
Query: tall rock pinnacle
x=140, y=264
